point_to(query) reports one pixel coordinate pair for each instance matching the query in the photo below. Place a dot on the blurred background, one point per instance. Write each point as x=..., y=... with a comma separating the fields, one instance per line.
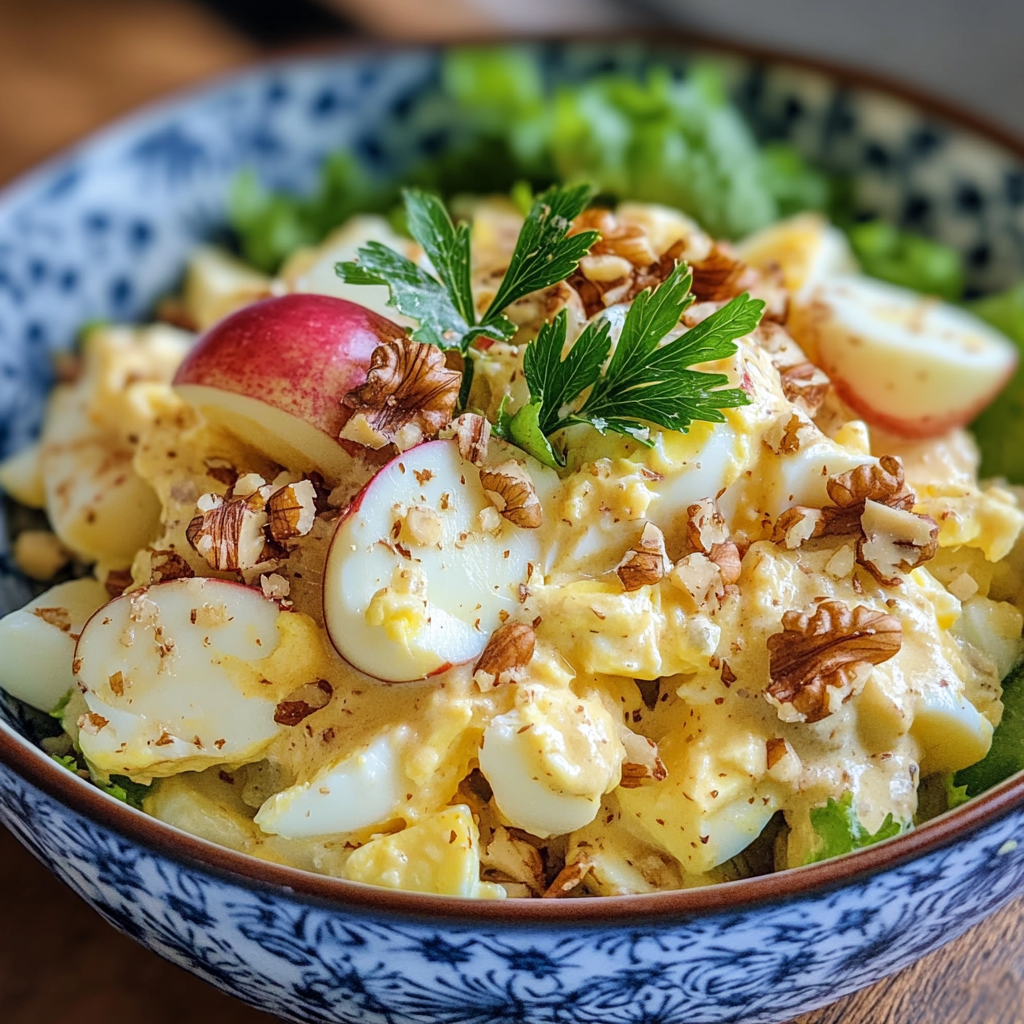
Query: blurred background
x=68, y=66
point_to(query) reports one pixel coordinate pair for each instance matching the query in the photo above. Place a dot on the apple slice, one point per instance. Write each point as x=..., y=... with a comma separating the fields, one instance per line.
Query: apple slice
x=904, y=362
x=38, y=641
x=274, y=373
x=421, y=567
x=166, y=675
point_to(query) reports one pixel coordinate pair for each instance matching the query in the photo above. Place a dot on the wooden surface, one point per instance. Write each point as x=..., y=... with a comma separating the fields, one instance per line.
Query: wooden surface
x=66, y=66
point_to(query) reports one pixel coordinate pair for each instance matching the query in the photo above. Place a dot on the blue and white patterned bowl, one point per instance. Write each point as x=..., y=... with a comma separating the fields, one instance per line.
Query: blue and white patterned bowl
x=104, y=230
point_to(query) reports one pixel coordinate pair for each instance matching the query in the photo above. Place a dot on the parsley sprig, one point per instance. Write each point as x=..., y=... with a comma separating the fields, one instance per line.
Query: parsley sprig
x=443, y=305
x=644, y=382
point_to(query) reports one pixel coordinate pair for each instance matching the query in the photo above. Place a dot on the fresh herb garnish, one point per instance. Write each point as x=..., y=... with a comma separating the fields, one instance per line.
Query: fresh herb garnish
x=840, y=831
x=120, y=787
x=645, y=382
x=443, y=305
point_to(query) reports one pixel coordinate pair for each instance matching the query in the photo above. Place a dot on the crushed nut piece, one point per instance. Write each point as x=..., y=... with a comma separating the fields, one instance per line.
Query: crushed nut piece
x=700, y=579
x=57, y=617
x=805, y=385
x=274, y=586
x=818, y=657
x=705, y=525
x=789, y=439
x=292, y=511
x=507, y=653
x=303, y=702
x=721, y=275
x=509, y=858
x=512, y=493
x=222, y=471
x=894, y=542
x=409, y=395
x=91, y=724
x=423, y=525
x=727, y=557
x=569, y=878
x=883, y=482
x=642, y=763
x=229, y=534
x=473, y=434
x=646, y=563
x=165, y=564
x=777, y=749
x=796, y=525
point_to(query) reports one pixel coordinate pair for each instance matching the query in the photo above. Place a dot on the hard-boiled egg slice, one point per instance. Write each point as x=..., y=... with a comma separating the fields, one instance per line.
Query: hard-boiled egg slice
x=550, y=759
x=421, y=567
x=360, y=789
x=440, y=855
x=171, y=677
x=905, y=362
x=38, y=641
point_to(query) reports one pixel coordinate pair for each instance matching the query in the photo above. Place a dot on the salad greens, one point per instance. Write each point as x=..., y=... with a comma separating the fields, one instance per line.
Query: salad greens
x=840, y=831
x=1006, y=756
x=999, y=430
x=907, y=259
x=644, y=382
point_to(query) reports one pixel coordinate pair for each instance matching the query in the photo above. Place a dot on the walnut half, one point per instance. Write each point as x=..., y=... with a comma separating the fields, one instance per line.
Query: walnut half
x=409, y=395
x=512, y=493
x=819, y=656
x=506, y=655
x=646, y=563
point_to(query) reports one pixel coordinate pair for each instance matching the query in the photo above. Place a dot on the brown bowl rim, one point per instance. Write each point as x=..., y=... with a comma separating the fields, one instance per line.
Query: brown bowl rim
x=40, y=771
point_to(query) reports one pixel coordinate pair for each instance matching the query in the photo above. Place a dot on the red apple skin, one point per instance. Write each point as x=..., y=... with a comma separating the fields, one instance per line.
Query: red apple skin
x=923, y=427
x=299, y=353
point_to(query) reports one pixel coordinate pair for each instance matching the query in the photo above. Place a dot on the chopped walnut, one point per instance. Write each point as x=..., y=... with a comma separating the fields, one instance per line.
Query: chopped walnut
x=883, y=482
x=894, y=542
x=646, y=563
x=409, y=395
x=721, y=275
x=642, y=763
x=569, y=878
x=788, y=439
x=247, y=485
x=166, y=564
x=819, y=656
x=805, y=385
x=506, y=655
x=303, y=702
x=512, y=493
x=627, y=241
x=229, y=534
x=509, y=858
x=274, y=586
x=730, y=564
x=797, y=525
x=423, y=526
x=292, y=511
x=705, y=525
x=700, y=579
x=473, y=434
x=91, y=723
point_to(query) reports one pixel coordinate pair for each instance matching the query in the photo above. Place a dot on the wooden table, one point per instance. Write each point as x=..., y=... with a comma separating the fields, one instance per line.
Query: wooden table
x=66, y=66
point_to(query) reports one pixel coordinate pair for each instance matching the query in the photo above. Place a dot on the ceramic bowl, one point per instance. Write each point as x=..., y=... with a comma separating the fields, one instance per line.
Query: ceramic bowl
x=103, y=230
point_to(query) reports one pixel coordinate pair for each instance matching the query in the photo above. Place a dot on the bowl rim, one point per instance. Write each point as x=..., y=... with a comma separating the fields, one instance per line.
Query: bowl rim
x=79, y=796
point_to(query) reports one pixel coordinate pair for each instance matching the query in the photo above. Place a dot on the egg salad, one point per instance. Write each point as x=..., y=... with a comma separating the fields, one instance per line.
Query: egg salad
x=569, y=552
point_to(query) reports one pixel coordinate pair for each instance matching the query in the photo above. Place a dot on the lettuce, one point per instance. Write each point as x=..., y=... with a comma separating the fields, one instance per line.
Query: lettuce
x=907, y=259
x=999, y=430
x=1006, y=756
x=839, y=829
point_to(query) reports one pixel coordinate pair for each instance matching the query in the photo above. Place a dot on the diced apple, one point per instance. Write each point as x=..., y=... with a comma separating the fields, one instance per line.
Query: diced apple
x=275, y=372
x=217, y=283
x=22, y=478
x=38, y=641
x=171, y=675
x=421, y=567
x=551, y=759
x=312, y=270
x=361, y=789
x=908, y=363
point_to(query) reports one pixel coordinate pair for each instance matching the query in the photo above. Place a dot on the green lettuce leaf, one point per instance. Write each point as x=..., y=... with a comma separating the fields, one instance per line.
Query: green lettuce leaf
x=840, y=831
x=908, y=259
x=1006, y=756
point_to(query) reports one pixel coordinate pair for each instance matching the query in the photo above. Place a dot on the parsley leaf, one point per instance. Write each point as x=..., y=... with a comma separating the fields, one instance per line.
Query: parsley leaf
x=443, y=305
x=413, y=292
x=645, y=381
x=544, y=255
x=840, y=831
x=120, y=787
